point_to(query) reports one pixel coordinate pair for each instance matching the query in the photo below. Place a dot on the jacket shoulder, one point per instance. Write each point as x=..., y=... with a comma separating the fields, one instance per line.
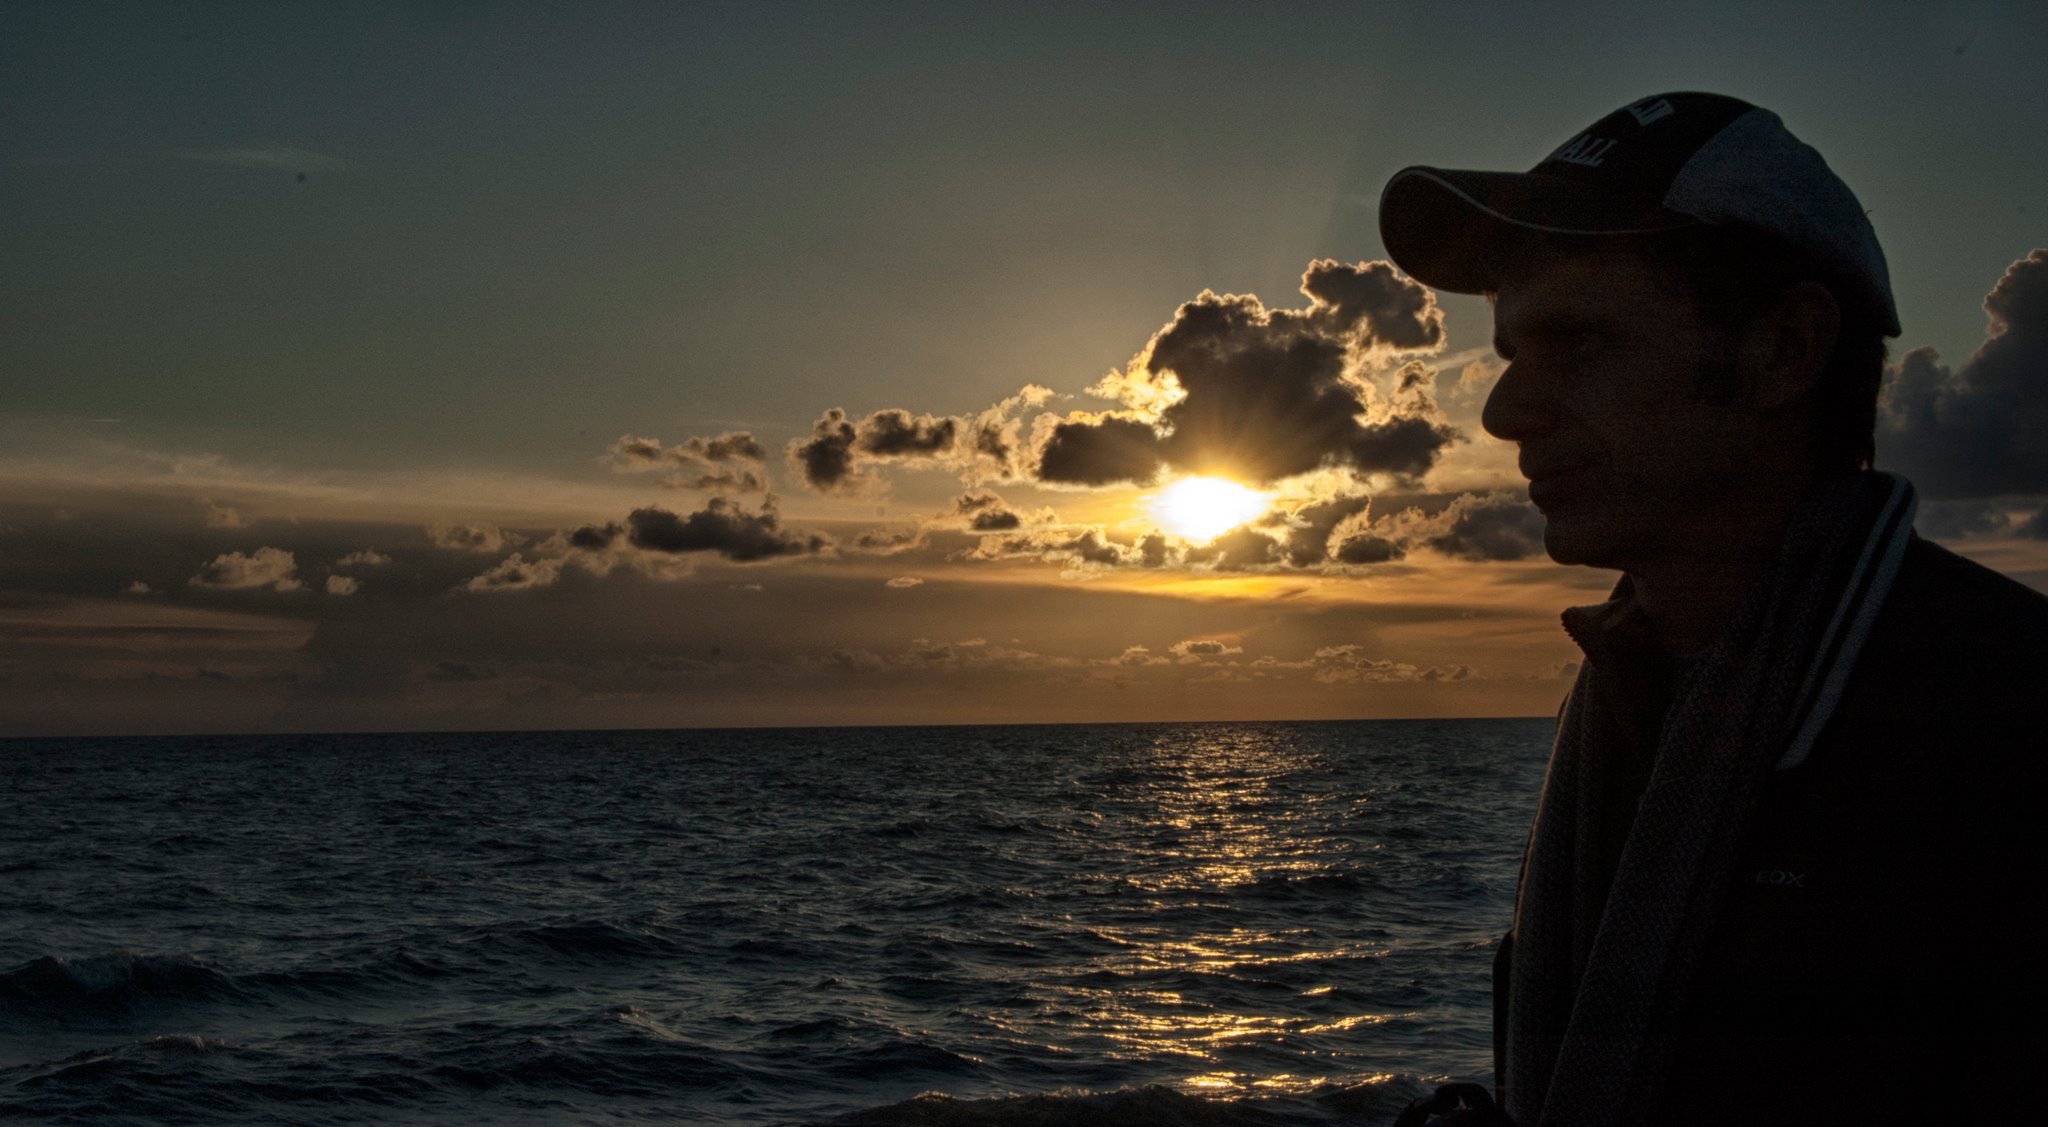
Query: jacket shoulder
x=1948, y=609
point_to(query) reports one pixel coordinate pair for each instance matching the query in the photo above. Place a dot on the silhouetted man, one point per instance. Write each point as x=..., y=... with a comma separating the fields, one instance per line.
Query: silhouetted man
x=1787, y=865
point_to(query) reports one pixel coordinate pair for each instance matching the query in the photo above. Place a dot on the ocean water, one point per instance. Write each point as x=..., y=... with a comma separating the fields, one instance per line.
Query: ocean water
x=1202, y=923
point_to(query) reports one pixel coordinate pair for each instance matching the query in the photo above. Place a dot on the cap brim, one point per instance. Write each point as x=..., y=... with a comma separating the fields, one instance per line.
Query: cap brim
x=1455, y=229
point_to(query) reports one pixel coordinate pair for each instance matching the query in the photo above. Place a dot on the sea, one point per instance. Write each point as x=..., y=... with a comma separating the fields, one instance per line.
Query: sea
x=1270, y=923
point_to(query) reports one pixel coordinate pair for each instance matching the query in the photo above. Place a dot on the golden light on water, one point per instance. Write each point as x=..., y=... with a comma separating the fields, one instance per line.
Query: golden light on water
x=1203, y=508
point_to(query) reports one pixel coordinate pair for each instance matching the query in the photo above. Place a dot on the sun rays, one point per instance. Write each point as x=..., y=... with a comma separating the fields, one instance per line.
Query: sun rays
x=1199, y=509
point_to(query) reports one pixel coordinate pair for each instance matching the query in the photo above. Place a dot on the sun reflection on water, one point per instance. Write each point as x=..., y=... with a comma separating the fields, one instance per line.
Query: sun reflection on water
x=1185, y=978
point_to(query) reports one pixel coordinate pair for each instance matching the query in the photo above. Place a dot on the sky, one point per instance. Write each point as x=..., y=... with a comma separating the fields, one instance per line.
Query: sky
x=395, y=367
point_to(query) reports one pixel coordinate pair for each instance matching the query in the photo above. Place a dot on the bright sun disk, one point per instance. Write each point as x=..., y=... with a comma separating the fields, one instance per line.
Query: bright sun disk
x=1203, y=508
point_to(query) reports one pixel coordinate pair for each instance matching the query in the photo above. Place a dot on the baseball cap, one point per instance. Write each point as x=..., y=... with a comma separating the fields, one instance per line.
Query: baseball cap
x=1661, y=163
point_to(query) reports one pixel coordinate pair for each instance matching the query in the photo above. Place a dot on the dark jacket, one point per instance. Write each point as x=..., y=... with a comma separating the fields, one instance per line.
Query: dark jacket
x=1876, y=955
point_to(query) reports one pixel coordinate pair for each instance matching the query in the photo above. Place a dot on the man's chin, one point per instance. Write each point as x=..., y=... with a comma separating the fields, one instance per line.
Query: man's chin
x=1578, y=542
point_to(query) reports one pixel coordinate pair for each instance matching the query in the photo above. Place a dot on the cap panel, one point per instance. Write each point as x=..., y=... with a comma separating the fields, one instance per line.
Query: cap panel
x=1756, y=174
x=1453, y=229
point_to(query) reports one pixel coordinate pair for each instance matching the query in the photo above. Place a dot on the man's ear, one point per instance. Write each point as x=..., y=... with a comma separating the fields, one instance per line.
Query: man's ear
x=1789, y=346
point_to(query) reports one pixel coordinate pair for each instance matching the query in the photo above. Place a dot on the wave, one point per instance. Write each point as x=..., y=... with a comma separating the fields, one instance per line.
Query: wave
x=111, y=984
x=1153, y=1106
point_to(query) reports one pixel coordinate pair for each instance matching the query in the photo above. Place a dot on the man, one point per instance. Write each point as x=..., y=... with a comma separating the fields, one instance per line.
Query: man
x=1784, y=866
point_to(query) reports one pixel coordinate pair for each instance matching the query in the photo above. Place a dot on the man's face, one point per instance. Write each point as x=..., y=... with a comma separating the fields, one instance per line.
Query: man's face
x=1625, y=459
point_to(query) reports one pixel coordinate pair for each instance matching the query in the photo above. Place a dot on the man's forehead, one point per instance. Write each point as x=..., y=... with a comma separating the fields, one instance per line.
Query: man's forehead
x=1590, y=285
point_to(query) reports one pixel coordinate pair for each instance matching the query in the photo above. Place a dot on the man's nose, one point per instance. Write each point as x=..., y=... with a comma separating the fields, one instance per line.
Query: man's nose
x=1516, y=410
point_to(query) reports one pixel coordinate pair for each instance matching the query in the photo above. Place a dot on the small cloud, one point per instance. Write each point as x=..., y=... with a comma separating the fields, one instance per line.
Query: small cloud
x=368, y=557
x=904, y=581
x=731, y=461
x=516, y=573
x=136, y=588
x=223, y=516
x=1136, y=655
x=1194, y=650
x=468, y=537
x=266, y=567
x=342, y=585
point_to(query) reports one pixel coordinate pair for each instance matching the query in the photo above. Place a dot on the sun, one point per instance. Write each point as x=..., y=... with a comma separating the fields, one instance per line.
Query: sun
x=1202, y=508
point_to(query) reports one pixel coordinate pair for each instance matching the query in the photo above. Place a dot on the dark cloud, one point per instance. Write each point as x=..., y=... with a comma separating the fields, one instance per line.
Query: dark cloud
x=1367, y=549
x=888, y=542
x=596, y=536
x=825, y=460
x=833, y=458
x=722, y=527
x=1238, y=549
x=1153, y=550
x=730, y=461
x=1980, y=430
x=986, y=512
x=1099, y=450
x=1087, y=545
x=1263, y=394
x=1309, y=527
x=1493, y=526
x=899, y=434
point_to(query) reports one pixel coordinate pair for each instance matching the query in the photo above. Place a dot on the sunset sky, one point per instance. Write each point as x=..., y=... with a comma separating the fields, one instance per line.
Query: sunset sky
x=522, y=366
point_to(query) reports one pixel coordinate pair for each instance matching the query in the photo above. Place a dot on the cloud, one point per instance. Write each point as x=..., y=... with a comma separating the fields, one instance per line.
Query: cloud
x=1365, y=548
x=1230, y=386
x=992, y=446
x=1086, y=545
x=467, y=537
x=986, y=512
x=1099, y=449
x=1137, y=655
x=1491, y=526
x=368, y=557
x=730, y=461
x=1496, y=526
x=266, y=567
x=833, y=459
x=721, y=527
x=516, y=573
x=887, y=541
x=223, y=516
x=1194, y=650
x=903, y=582
x=1980, y=430
x=1309, y=527
x=1349, y=663
x=136, y=588
x=342, y=585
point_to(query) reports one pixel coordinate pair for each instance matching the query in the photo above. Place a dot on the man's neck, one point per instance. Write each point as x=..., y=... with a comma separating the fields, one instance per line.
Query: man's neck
x=1693, y=591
